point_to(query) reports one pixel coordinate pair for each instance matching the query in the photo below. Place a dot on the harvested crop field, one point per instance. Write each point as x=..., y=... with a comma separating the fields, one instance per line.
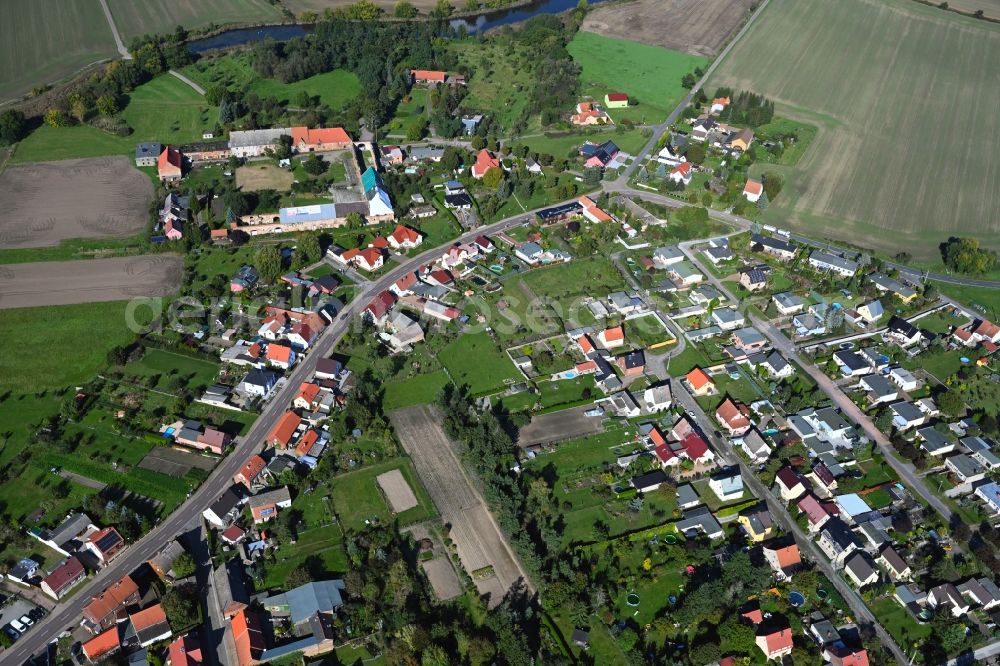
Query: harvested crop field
x=478, y=539
x=559, y=426
x=68, y=282
x=174, y=462
x=253, y=177
x=692, y=26
x=45, y=203
x=397, y=490
x=906, y=112
x=46, y=40
x=161, y=16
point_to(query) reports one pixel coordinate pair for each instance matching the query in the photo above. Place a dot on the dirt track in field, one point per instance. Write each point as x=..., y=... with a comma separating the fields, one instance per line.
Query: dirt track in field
x=479, y=541
x=69, y=282
x=42, y=204
x=692, y=26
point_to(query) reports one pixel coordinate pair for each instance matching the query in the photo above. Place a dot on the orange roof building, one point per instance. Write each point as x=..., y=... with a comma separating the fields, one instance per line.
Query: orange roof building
x=150, y=625
x=783, y=556
x=732, y=417
x=280, y=355
x=248, y=637
x=775, y=643
x=404, y=237
x=102, y=644
x=185, y=651
x=699, y=381
x=101, y=611
x=320, y=139
x=428, y=76
x=284, y=430
x=169, y=164
x=485, y=161
x=251, y=471
x=612, y=337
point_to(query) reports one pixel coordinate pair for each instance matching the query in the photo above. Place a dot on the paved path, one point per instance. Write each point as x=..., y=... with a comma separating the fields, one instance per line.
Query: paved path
x=198, y=89
x=119, y=44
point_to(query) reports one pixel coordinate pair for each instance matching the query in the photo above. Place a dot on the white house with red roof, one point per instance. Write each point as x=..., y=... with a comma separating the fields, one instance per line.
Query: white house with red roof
x=379, y=307
x=280, y=356
x=404, y=238
x=719, y=105
x=734, y=417
x=369, y=259
x=816, y=515
x=986, y=331
x=321, y=139
x=752, y=190
x=775, y=643
x=484, y=244
x=682, y=173
x=611, y=338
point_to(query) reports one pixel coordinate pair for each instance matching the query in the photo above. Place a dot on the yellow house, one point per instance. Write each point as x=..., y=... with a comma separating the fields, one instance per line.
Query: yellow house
x=756, y=523
x=616, y=100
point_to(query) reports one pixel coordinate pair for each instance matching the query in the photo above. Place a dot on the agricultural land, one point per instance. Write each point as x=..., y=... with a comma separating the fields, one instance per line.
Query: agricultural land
x=47, y=40
x=700, y=28
x=838, y=188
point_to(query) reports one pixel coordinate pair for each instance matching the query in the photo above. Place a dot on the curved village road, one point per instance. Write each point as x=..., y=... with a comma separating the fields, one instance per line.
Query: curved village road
x=68, y=613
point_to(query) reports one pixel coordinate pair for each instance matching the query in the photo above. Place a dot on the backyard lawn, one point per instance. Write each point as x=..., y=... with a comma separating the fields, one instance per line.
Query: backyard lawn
x=357, y=497
x=417, y=390
x=475, y=360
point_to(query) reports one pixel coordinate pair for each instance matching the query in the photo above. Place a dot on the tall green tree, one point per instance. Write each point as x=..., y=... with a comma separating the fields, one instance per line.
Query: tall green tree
x=268, y=263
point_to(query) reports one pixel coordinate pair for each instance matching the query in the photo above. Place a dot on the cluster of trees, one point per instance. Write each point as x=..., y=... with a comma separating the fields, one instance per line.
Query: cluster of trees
x=378, y=53
x=964, y=255
x=554, y=73
x=102, y=97
x=746, y=108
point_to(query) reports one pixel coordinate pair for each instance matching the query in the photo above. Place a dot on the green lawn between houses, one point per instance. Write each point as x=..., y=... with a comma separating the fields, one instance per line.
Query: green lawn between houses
x=475, y=360
x=417, y=390
x=649, y=75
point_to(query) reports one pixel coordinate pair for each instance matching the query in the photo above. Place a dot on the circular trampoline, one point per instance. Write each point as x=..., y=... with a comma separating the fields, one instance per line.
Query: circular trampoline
x=632, y=599
x=670, y=538
x=796, y=599
x=822, y=594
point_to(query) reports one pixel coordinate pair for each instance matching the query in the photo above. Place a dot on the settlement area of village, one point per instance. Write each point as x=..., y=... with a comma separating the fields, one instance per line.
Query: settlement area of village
x=804, y=403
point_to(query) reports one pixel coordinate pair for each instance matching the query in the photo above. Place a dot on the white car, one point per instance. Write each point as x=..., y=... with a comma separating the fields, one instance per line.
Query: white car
x=20, y=628
x=25, y=620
